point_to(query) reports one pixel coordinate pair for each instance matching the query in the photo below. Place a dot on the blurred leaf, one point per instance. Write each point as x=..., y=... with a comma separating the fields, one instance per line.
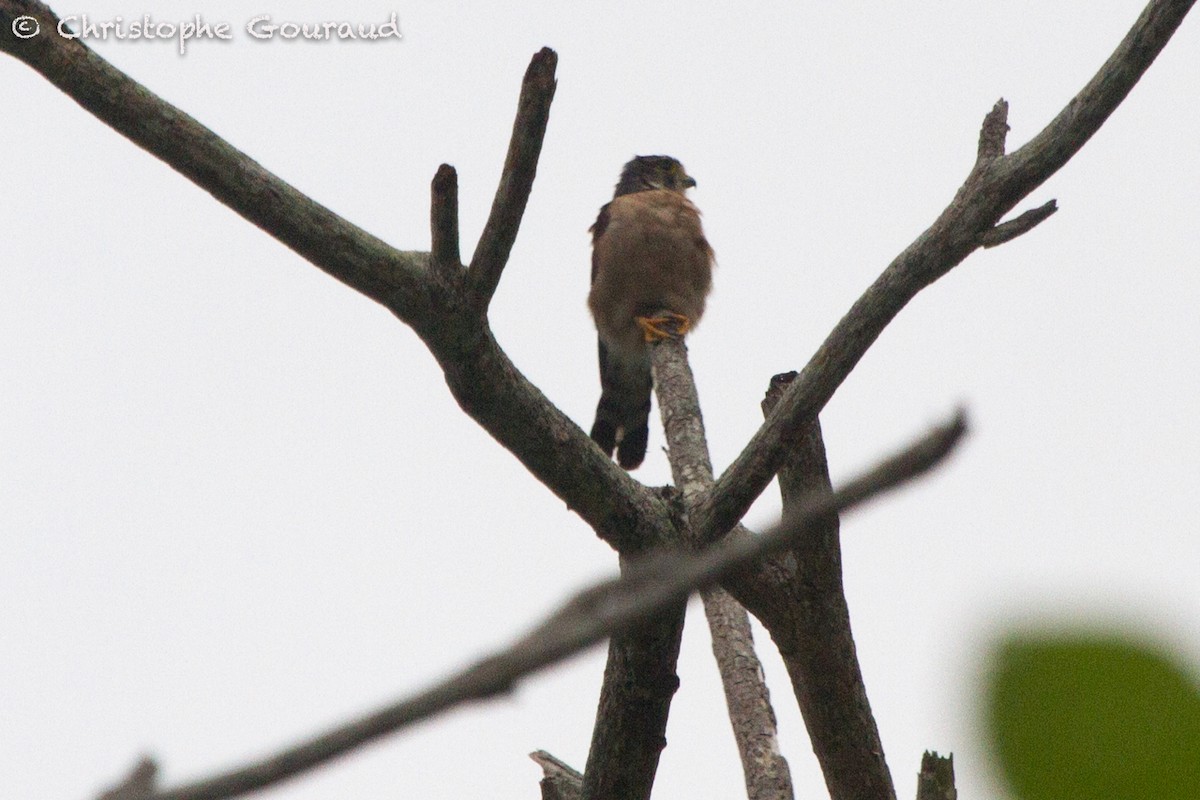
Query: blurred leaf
x=1073, y=717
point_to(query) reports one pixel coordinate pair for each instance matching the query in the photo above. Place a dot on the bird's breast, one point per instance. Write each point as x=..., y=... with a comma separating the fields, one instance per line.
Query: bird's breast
x=650, y=254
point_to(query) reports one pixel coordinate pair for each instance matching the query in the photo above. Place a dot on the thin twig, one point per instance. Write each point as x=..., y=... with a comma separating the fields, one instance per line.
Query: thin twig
x=1007, y=231
x=643, y=591
x=993, y=188
x=516, y=181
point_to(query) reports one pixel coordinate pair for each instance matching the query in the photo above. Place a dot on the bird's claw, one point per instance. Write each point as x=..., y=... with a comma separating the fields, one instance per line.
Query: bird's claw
x=666, y=325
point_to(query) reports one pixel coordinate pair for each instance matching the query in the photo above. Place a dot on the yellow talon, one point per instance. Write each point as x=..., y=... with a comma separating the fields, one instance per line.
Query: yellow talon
x=668, y=325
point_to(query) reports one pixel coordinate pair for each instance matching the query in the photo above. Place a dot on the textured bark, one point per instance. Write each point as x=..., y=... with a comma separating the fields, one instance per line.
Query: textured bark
x=560, y=781
x=806, y=613
x=635, y=700
x=747, y=698
x=446, y=305
x=994, y=187
x=936, y=778
x=750, y=713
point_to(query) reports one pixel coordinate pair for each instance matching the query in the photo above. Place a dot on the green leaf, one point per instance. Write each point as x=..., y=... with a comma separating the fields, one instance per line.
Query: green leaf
x=1074, y=717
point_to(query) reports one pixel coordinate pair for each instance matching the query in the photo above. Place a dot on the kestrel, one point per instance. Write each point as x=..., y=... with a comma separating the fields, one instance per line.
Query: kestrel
x=649, y=255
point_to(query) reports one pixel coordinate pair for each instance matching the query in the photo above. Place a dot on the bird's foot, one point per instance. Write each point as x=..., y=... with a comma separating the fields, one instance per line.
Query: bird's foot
x=667, y=325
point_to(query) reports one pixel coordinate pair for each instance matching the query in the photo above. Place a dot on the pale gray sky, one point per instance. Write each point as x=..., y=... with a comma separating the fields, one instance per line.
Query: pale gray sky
x=239, y=503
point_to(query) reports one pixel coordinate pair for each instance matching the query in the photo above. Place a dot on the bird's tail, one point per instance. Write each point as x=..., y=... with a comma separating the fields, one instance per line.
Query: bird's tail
x=623, y=413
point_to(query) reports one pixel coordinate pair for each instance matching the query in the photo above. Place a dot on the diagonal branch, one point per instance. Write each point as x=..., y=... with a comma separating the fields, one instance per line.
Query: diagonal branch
x=993, y=188
x=1017, y=226
x=635, y=702
x=480, y=375
x=493, y=392
x=748, y=701
x=649, y=587
x=516, y=181
x=803, y=605
x=345, y=251
x=755, y=729
x=1079, y=120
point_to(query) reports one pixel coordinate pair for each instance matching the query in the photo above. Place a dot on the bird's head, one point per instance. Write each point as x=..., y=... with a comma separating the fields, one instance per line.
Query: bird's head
x=653, y=172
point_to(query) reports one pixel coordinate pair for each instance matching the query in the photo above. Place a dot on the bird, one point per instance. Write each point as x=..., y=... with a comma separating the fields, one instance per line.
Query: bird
x=649, y=255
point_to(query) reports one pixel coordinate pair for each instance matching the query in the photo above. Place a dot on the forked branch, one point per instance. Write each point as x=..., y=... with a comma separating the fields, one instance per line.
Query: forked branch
x=993, y=188
x=450, y=317
x=484, y=381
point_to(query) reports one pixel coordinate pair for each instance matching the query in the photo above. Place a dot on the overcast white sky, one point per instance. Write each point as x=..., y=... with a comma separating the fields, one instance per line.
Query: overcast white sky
x=238, y=503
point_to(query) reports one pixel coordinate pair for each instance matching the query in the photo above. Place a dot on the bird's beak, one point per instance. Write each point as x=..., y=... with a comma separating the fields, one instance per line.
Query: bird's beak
x=689, y=182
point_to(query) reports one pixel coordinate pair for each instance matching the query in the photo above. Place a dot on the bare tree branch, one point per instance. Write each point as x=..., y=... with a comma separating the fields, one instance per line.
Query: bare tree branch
x=489, y=387
x=750, y=713
x=141, y=782
x=683, y=422
x=516, y=181
x=935, y=781
x=993, y=134
x=445, y=259
x=338, y=247
x=801, y=602
x=1046, y=153
x=1007, y=231
x=993, y=188
x=646, y=589
x=482, y=378
x=747, y=698
x=635, y=701
x=559, y=781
